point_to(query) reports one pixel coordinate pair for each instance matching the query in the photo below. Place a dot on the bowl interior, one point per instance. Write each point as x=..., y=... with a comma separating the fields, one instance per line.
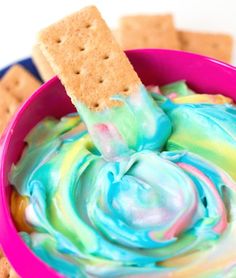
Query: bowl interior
x=154, y=67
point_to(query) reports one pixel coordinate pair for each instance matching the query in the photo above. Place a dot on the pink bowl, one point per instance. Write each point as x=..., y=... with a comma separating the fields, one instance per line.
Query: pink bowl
x=154, y=67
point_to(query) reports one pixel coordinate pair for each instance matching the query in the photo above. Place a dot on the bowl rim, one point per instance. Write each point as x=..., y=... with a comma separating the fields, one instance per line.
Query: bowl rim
x=5, y=144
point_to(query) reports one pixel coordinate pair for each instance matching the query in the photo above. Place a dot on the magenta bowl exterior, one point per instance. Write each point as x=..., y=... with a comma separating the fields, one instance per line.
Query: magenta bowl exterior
x=154, y=66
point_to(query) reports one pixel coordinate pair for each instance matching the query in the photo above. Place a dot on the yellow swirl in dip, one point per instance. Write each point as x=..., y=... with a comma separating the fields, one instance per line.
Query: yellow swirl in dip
x=142, y=202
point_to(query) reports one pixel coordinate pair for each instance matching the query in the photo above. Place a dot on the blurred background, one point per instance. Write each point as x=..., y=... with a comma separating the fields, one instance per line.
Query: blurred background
x=20, y=20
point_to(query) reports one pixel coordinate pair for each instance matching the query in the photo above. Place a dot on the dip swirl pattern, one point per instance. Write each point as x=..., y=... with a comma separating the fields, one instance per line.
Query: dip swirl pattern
x=152, y=210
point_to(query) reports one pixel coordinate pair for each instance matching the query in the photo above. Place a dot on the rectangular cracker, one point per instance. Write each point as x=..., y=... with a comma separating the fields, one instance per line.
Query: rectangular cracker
x=5, y=268
x=9, y=105
x=148, y=31
x=89, y=62
x=214, y=45
x=42, y=64
x=19, y=82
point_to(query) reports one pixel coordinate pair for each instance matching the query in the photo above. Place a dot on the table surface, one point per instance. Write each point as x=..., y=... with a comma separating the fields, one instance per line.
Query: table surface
x=21, y=20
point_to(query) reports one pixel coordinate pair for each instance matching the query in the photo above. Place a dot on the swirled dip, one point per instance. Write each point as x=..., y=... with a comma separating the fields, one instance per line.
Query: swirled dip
x=154, y=197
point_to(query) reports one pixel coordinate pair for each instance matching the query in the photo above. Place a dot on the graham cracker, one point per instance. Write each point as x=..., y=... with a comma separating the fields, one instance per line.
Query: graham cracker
x=42, y=64
x=148, y=31
x=9, y=105
x=214, y=45
x=6, y=271
x=89, y=62
x=19, y=82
